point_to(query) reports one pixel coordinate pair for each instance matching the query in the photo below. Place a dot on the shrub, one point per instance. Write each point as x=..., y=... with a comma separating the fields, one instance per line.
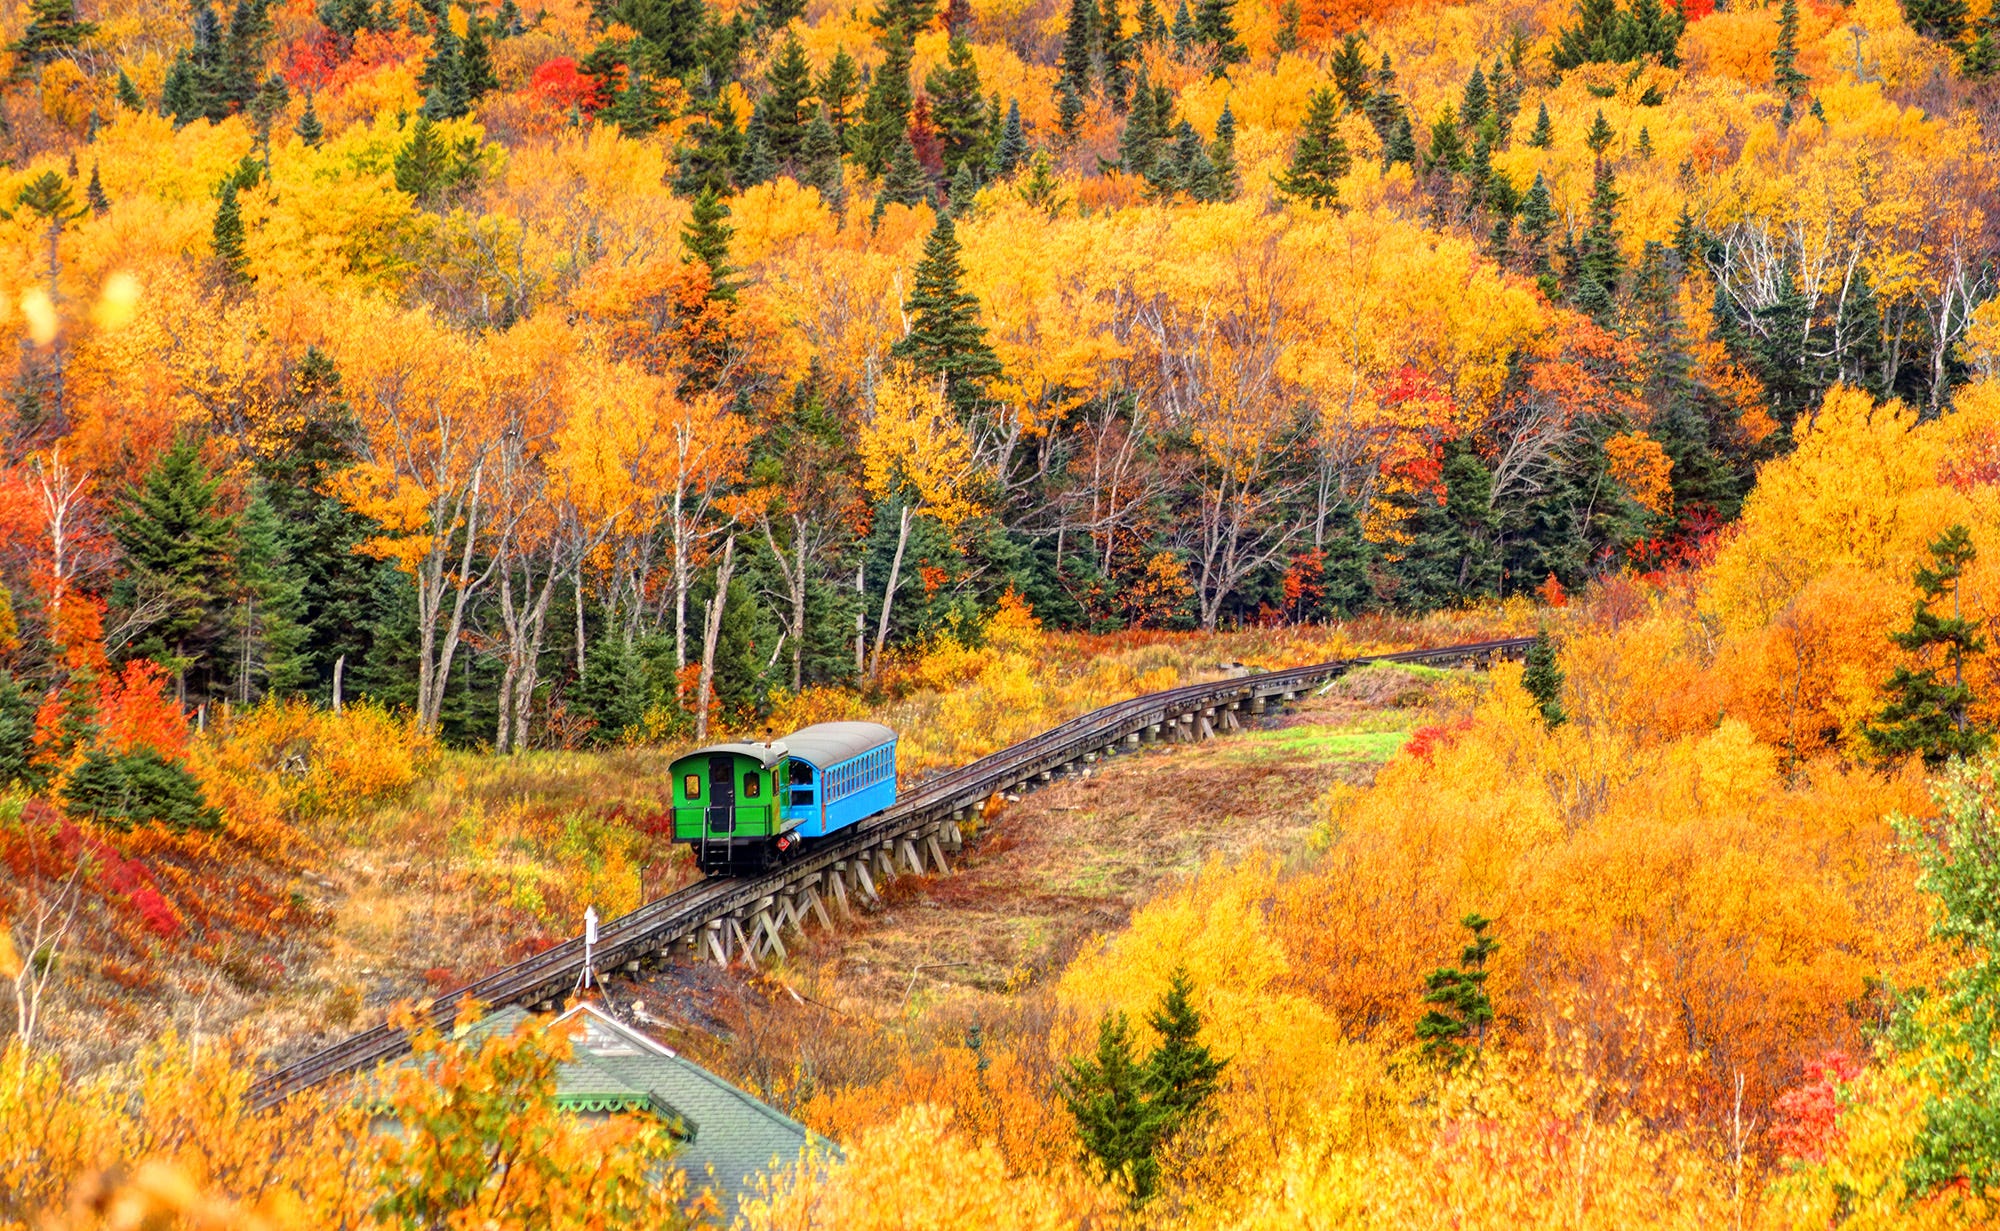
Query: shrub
x=136, y=787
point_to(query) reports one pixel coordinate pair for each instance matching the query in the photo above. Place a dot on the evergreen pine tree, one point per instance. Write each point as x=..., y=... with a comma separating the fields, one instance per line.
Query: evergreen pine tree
x=1227, y=181
x=137, y=787
x=756, y=166
x=100, y=204
x=179, y=547
x=309, y=128
x=1645, y=147
x=946, y=338
x=1600, y=135
x=705, y=238
x=1401, y=146
x=1785, y=74
x=610, y=695
x=1013, y=144
x=1600, y=263
x=1544, y=134
x=823, y=165
x=1186, y=168
x=1349, y=67
x=447, y=93
x=1069, y=112
x=1182, y=1075
x=17, y=733
x=1537, y=224
x=1215, y=28
x=905, y=184
x=1183, y=31
x=1152, y=26
x=1075, y=63
x=1858, y=331
x=1942, y=20
x=785, y=109
x=885, y=113
x=1446, y=154
x=507, y=22
x=1319, y=156
x=54, y=31
x=1115, y=55
x=958, y=109
x=265, y=637
x=964, y=187
x=1474, y=104
x=227, y=237
x=480, y=79
x=1928, y=715
x=1117, y=1125
x=836, y=90
x=128, y=94
x=708, y=163
x=1543, y=679
x=1287, y=39
x=1461, y=1007
x=1982, y=56
x=198, y=85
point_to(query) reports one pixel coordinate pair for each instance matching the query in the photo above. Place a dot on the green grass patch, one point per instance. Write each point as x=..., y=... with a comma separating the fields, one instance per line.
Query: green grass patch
x=1333, y=743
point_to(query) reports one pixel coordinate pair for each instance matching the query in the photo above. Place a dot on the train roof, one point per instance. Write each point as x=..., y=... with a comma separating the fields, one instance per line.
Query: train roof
x=827, y=744
x=767, y=755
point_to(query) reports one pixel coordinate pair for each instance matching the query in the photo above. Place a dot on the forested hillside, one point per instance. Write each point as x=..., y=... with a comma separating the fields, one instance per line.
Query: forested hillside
x=480, y=358
x=390, y=383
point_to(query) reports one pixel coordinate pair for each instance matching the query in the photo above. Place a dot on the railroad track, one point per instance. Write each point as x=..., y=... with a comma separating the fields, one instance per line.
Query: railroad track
x=708, y=917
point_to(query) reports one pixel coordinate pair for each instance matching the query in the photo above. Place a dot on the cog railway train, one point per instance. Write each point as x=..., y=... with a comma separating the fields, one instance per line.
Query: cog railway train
x=746, y=807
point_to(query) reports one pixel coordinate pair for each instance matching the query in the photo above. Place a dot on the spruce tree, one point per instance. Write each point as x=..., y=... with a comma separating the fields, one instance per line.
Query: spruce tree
x=309, y=128
x=1929, y=709
x=1474, y=103
x=1186, y=167
x=128, y=94
x=1942, y=20
x=1446, y=154
x=1075, y=63
x=1543, y=678
x=54, y=31
x=756, y=166
x=905, y=183
x=964, y=187
x=958, y=109
x=1152, y=26
x=447, y=93
x=1645, y=147
x=480, y=79
x=1350, y=71
x=708, y=162
x=885, y=114
x=1069, y=112
x=1182, y=1074
x=785, y=107
x=1858, y=333
x=1785, y=74
x=226, y=237
x=100, y=204
x=1227, y=181
x=1537, y=224
x=1319, y=156
x=705, y=239
x=136, y=787
x=836, y=90
x=1287, y=39
x=1115, y=54
x=1401, y=145
x=17, y=733
x=823, y=166
x=179, y=547
x=609, y=694
x=1013, y=144
x=265, y=637
x=1183, y=31
x=1600, y=264
x=1116, y=1124
x=1454, y=1030
x=1215, y=28
x=946, y=339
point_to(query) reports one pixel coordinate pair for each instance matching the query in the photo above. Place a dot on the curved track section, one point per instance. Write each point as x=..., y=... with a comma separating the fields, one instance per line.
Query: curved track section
x=691, y=915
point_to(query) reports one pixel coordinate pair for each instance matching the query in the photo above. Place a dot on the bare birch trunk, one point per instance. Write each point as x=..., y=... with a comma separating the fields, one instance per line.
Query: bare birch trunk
x=711, y=634
x=889, y=594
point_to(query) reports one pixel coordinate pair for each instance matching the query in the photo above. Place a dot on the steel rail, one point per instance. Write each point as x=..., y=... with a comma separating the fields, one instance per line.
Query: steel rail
x=557, y=970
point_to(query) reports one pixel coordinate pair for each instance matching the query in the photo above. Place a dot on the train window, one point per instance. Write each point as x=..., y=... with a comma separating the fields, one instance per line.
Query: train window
x=753, y=785
x=692, y=786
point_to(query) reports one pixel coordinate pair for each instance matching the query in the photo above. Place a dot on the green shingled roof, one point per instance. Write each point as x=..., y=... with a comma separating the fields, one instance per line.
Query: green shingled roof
x=728, y=1138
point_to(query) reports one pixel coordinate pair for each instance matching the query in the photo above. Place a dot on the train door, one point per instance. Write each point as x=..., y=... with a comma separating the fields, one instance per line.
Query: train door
x=722, y=794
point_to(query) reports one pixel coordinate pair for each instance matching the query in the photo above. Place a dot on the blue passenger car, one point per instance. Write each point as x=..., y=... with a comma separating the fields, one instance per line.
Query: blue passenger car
x=840, y=773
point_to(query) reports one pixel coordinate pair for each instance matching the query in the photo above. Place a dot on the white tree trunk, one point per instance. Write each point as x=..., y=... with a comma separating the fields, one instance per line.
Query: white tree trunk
x=711, y=635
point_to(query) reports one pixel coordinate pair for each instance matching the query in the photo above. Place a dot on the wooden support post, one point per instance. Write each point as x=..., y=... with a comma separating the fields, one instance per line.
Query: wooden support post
x=1203, y=729
x=1132, y=740
x=718, y=942
x=1229, y=722
x=768, y=927
x=818, y=908
x=954, y=837
x=864, y=881
x=912, y=857
x=937, y=855
x=885, y=860
x=1257, y=705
